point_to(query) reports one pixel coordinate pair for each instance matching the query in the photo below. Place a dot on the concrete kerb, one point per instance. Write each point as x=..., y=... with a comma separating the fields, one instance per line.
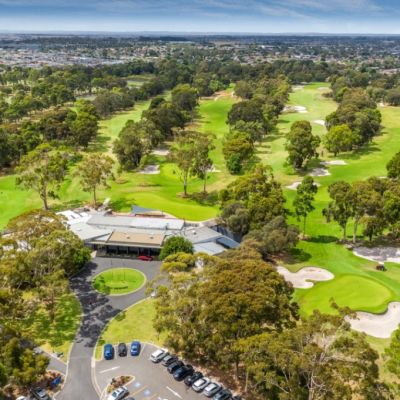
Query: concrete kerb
x=122, y=294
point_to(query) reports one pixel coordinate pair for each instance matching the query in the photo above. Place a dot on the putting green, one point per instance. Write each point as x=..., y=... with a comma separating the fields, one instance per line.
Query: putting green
x=119, y=281
x=353, y=291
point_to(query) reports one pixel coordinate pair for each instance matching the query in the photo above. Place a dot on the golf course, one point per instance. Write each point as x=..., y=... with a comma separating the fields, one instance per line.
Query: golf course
x=356, y=283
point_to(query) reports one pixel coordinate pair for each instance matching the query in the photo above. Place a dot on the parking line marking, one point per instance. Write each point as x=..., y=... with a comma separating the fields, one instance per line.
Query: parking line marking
x=174, y=393
x=138, y=391
x=108, y=370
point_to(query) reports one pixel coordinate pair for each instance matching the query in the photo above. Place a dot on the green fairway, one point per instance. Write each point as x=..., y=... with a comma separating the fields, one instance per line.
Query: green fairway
x=162, y=191
x=357, y=284
x=56, y=336
x=135, y=323
x=118, y=281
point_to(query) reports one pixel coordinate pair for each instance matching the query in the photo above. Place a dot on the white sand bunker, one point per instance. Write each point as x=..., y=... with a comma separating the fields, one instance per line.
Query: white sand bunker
x=319, y=122
x=298, y=109
x=379, y=254
x=213, y=169
x=150, y=170
x=319, y=172
x=295, y=185
x=334, y=162
x=323, y=88
x=377, y=325
x=160, y=152
x=296, y=88
x=305, y=278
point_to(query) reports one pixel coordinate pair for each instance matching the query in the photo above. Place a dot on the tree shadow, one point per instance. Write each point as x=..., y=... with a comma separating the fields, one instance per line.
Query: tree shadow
x=297, y=256
x=323, y=239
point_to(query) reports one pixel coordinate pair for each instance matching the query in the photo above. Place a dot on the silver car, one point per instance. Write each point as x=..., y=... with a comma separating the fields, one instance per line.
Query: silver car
x=211, y=389
x=118, y=393
x=200, y=384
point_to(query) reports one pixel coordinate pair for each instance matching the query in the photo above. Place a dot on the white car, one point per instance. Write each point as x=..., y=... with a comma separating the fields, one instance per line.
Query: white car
x=158, y=355
x=200, y=384
x=118, y=393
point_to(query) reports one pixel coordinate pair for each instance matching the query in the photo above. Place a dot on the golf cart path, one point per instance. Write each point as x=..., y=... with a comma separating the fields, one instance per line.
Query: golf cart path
x=97, y=311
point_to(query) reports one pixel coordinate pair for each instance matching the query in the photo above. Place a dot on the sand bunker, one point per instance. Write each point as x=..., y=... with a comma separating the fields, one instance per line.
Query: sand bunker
x=379, y=254
x=295, y=185
x=319, y=172
x=323, y=88
x=298, y=109
x=304, y=278
x=150, y=170
x=160, y=152
x=334, y=162
x=296, y=88
x=213, y=169
x=377, y=325
x=319, y=122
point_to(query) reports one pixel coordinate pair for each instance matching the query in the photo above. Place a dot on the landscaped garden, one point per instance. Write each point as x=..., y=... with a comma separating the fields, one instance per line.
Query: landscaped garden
x=118, y=281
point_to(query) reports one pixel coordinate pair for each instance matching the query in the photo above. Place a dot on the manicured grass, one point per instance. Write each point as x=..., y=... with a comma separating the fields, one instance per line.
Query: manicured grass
x=357, y=284
x=119, y=281
x=135, y=323
x=56, y=336
x=162, y=191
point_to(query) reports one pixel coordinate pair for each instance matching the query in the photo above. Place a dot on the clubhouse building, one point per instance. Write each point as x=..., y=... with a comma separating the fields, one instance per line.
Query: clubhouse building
x=142, y=232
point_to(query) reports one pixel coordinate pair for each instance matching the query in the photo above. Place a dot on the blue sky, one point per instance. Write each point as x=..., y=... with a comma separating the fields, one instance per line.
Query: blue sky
x=261, y=16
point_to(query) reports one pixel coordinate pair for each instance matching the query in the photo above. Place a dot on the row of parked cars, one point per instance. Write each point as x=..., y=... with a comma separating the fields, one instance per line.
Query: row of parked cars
x=194, y=379
x=122, y=350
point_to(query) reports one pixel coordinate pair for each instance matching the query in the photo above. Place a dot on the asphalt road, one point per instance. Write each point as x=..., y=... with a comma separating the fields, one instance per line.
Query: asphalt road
x=98, y=310
x=150, y=381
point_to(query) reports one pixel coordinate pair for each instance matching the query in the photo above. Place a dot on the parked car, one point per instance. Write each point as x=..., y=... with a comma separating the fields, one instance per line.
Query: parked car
x=174, y=366
x=224, y=394
x=22, y=398
x=211, y=389
x=145, y=258
x=122, y=350
x=200, y=384
x=108, y=352
x=135, y=348
x=237, y=397
x=169, y=359
x=181, y=373
x=129, y=398
x=40, y=394
x=118, y=393
x=189, y=380
x=158, y=355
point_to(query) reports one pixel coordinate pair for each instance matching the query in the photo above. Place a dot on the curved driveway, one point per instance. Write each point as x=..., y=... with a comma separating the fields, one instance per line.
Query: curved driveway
x=98, y=310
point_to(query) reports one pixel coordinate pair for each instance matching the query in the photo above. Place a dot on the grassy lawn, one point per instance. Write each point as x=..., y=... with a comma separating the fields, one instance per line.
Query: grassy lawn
x=135, y=323
x=162, y=191
x=56, y=336
x=119, y=281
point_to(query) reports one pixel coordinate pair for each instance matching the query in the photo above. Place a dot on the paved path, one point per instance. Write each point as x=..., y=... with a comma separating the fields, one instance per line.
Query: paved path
x=98, y=310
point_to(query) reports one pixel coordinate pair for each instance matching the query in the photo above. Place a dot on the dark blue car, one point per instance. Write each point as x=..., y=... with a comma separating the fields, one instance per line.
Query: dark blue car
x=135, y=348
x=108, y=352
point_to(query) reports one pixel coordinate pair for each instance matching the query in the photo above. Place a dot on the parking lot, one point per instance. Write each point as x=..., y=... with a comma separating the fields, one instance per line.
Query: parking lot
x=151, y=381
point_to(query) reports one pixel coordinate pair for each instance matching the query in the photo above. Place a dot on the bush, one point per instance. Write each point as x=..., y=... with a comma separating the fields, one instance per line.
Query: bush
x=176, y=244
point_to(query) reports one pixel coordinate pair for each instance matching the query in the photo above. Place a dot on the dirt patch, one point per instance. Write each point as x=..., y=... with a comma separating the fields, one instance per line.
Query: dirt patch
x=305, y=278
x=377, y=325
